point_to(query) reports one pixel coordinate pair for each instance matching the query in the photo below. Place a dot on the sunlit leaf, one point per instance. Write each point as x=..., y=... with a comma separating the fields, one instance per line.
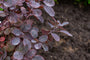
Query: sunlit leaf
x=15, y=41
x=62, y=24
x=49, y=2
x=66, y=32
x=33, y=41
x=18, y=55
x=38, y=45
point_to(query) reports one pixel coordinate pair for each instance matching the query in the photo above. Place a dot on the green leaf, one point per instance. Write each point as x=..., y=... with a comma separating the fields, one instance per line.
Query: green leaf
x=56, y=1
x=78, y=0
x=88, y=1
x=1, y=9
x=5, y=0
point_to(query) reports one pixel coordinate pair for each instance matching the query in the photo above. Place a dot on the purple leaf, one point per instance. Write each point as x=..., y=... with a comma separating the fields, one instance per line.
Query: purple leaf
x=52, y=26
x=35, y=28
x=15, y=41
x=12, y=19
x=34, y=4
x=18, y=55
x=38, y=45
x=40, y=19
x=22, y=48
x=34, y=33
x=7, y=31
x=63, y=24
x=8, y=3
x=23, y=10
x=38, y=57
x=33, y=41
x=49, y=2
x=66, y=32
x=28, y=36
x=43, y=38
x=25, y=27
x=49, y=10
x=27, y=42
x=31, y=53
x=45, y=47
x=55, y=36
x=17, y=32
x=37, y=12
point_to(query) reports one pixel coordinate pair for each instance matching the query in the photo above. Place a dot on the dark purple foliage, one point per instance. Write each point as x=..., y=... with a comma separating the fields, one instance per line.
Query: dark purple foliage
x=22, y=35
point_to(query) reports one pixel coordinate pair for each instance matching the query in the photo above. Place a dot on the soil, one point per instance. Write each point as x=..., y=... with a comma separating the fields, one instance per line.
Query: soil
x=76, y=47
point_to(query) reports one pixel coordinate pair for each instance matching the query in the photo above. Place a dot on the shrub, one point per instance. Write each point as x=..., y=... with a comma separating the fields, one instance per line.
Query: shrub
x=20, y=35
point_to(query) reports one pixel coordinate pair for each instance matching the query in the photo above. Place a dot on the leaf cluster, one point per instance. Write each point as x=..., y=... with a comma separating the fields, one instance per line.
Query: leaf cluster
x=20, y=35
x=82, y=2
